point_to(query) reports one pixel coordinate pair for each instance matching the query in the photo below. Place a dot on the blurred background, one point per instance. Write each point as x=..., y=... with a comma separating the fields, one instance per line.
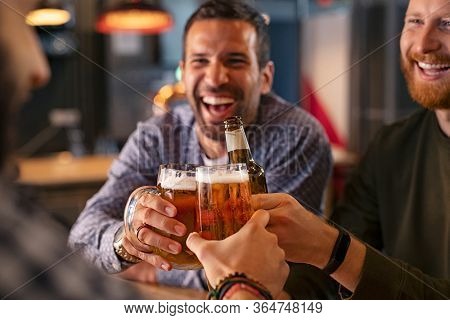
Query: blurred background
x=339, y=59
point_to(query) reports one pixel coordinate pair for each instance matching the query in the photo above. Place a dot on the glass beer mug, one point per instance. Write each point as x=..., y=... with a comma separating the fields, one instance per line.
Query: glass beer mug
x=176, y=184
x=224, y=195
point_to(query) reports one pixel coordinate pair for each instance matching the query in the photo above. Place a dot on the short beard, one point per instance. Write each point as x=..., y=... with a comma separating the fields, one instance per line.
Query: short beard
x=215, y=133
x=430, y=96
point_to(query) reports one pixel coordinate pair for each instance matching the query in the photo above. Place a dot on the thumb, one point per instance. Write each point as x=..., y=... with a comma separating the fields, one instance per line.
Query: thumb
x=194, y=242
x=266, y=201
x=260, y=217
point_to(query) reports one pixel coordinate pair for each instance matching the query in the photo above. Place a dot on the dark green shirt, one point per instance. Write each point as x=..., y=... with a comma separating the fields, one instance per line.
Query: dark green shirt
x=398, y=200
x=386, y=279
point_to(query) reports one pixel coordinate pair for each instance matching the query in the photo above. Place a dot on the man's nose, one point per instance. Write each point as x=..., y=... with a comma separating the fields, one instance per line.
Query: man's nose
x=40, y=70
x=216, y=74
x=427, y=40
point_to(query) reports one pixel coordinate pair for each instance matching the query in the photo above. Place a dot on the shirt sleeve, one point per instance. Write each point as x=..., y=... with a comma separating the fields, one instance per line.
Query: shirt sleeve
x=93, y=232
x=385, y=278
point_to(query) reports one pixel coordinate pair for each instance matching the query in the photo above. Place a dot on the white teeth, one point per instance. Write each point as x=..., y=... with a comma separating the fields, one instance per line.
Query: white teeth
x=428, y=66
x=217, y=100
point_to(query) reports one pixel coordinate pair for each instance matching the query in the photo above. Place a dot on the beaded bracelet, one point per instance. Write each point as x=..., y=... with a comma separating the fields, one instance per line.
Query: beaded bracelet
x=247, y=284
x=242, y=287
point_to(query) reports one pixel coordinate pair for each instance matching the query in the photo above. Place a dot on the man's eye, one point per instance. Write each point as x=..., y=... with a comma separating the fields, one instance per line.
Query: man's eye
x=446, y=23
x=413, y=21
x=236, y=62
x=199, y=61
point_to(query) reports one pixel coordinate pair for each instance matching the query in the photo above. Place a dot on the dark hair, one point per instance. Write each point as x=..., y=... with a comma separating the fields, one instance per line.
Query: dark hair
x=234, y=10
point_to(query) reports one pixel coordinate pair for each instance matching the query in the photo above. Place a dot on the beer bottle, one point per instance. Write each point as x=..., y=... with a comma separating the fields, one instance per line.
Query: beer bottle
x=239, y=152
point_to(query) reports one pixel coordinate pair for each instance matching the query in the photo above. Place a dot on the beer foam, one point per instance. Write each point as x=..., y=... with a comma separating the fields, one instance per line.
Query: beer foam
x=222, y=177
x=179, y=183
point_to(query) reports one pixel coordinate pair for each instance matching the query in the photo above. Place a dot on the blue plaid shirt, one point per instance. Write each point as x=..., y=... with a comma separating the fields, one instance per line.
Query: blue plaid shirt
x=284, y=139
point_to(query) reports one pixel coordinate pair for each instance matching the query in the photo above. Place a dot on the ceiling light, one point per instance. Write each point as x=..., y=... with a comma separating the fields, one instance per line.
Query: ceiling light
x=48, y=14
x=134, y=16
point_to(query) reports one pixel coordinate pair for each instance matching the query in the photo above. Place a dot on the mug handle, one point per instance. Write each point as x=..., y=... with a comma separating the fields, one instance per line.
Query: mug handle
x=132, y=202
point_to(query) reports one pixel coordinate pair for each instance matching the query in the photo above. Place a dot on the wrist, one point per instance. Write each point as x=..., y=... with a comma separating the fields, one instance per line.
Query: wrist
x=126, y=258
x=339, y=252
x=325, y=246
x=241, y=291
x=239, y=282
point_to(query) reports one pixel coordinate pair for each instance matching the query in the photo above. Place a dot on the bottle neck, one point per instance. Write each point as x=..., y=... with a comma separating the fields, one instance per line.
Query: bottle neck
x=240, y=156
x=236, y=140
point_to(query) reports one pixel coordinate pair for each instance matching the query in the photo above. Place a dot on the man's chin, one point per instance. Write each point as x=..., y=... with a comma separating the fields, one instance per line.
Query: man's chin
x=431, y=97
x=213, y=132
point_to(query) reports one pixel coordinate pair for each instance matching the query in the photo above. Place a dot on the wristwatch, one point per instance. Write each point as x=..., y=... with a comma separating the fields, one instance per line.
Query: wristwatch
x=120, y=250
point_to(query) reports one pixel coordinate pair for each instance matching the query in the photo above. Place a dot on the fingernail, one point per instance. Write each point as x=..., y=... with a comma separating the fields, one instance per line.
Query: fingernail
x=165, y=266
x=173, y=248
x=171, y=211
x=179, y=229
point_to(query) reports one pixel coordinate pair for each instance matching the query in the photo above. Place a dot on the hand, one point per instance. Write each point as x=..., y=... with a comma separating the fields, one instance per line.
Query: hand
x=304, y=237
x=142, y=272
x=252, y=250
x=152, y=213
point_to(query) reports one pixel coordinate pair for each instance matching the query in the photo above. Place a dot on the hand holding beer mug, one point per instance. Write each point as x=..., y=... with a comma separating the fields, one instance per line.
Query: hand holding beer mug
x=224, y=195
x=151, y=225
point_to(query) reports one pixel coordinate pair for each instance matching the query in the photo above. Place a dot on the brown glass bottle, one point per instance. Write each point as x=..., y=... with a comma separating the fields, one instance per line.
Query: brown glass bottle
x=239, y=152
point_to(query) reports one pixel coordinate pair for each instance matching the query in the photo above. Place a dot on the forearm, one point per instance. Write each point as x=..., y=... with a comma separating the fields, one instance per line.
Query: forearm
x=386, y=278
x=348, y=273
x=94, y=238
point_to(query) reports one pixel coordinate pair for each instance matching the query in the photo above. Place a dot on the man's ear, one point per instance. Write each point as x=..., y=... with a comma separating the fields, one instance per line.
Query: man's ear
x=181, y=65
x=267, y=74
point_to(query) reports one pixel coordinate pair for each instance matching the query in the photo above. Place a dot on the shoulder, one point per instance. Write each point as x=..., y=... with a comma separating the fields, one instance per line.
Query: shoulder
x=277, y=112
x=403, y=132
x=181, y=115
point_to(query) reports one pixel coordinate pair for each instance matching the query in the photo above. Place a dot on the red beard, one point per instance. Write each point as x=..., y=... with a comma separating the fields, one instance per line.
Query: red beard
x=430, y=95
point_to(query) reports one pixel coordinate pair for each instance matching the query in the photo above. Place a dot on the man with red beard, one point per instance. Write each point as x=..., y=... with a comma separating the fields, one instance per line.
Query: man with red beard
x=399, y=198
x=226, y=72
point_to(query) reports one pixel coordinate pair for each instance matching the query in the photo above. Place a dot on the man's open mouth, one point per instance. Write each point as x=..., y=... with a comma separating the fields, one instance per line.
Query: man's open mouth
x=218, y=107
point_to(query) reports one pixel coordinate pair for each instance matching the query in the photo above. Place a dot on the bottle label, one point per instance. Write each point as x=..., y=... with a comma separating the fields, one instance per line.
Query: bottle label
x=236, y=140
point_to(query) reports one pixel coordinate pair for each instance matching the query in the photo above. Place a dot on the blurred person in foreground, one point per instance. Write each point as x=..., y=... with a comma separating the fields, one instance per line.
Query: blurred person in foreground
x=226, y=72
x=364, y=272
x=398, y=199
x=35, y=262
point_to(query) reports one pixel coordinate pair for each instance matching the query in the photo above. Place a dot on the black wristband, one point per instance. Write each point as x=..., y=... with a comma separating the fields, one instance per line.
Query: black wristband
x=339, y=252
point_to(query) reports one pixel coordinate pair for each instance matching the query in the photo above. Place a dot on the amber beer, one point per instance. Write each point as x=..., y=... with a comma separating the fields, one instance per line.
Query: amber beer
x=239, y=152
x=176, y=183
x=224, y=194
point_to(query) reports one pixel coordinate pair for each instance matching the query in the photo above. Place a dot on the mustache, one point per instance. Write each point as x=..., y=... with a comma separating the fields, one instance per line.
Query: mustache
x=222, y=89
x=432, y=58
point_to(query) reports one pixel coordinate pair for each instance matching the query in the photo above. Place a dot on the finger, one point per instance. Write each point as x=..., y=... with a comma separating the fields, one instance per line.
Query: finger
x=133, y=245
x=266, y=201
x=151, y=238
x=153, y=259
x=162, y=222
x=195, y=243
x=260, y=217
x=158, y=204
